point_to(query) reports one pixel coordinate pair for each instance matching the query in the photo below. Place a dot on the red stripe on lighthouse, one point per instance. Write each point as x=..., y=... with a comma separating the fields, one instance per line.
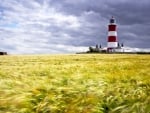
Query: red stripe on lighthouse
x=112, y=39
x=111, y=27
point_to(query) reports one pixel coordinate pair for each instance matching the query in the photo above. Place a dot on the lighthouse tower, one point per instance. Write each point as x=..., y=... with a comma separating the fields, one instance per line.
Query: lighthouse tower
x=112, y=43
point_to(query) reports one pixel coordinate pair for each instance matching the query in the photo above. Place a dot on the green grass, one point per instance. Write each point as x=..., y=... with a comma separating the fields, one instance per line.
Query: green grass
x=75, y=84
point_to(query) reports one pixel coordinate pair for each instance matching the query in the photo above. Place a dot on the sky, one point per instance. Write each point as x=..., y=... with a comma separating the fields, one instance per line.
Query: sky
x=69, y=26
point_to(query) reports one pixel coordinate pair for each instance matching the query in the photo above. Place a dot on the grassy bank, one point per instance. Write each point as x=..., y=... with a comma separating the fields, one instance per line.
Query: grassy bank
x=75, y=84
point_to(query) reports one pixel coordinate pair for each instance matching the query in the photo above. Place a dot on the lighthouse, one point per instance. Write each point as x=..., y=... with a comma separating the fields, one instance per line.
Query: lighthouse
x=112, y=42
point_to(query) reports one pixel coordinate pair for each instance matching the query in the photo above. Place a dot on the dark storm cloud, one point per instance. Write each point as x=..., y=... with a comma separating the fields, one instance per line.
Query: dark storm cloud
x=132, y=18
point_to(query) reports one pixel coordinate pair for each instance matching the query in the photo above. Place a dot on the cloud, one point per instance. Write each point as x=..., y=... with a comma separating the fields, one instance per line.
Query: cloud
x=55, y=26
x=32, y=27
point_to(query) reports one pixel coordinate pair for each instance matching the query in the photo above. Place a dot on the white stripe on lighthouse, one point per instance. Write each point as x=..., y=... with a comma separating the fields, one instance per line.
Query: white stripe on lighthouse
x=112, y=33
x=112, y=44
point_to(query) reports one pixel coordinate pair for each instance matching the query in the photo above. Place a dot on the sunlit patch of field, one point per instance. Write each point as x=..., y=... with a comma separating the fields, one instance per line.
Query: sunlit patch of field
x=75, y=84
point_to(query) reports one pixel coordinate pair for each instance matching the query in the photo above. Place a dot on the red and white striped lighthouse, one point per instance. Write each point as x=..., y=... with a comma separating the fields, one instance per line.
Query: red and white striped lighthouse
x=112, y=35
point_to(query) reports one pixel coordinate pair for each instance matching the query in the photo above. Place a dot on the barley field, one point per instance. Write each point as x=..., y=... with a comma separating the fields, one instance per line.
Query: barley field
x=90, y=83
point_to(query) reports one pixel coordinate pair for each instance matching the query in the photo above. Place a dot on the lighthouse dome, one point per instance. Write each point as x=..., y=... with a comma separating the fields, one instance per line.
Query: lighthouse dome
x=112, y=20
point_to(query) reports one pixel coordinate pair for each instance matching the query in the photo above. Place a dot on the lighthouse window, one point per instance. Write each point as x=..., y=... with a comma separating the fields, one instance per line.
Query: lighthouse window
x=112, y=21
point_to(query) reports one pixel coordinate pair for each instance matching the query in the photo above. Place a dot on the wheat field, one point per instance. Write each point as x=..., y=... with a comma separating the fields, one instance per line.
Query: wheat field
x=89, y=83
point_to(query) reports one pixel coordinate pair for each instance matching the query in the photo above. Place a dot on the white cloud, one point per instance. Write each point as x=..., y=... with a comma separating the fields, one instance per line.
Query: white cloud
x=131, y=49
x=34, y=32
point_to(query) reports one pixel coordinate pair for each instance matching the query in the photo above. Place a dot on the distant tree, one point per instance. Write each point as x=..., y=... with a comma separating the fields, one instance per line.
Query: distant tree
x=3, y=53
x=100, y=46
x=90, y=49
x=96, y=46
x=122, y=45
x=118, y=44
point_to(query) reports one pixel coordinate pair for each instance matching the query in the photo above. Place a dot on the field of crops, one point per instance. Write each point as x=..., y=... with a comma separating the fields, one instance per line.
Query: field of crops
x=97, y=83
